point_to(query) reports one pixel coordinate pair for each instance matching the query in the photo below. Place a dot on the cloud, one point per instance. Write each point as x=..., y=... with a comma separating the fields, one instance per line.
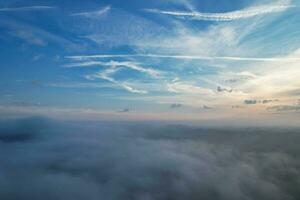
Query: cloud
x=79, y=85
x=250, y=102
x=111, y=27
x=183, y=87
x=205, y=107
x=236, y=107
x=93, y=14
x=131, y=89
x=266, y=101
x=22, y=103
x=292, y=92
x=220, y=89
x=37, y=57
x=107, y=75
x=228, y=16
x=30, y=37
x=21, y=131
x=26, y=8
x=176, y=105
x=112, y=63
x=274, y=80
x=97, y=160
x=284, y=108
x=232, y=80
x=188, y=57
x=37, y=36
x=125, y=110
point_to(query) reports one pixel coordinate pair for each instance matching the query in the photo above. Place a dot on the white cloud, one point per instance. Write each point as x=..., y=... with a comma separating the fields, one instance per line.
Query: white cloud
x=37, y=36
x=80, y=85
x=93, y=14
x=181, y=57
x=228, y=16
x=273, y=80
x=26, y=8
x=37, y=57
x=244, y=68
x=107, y=75
x=130, y=65
x=187, y=88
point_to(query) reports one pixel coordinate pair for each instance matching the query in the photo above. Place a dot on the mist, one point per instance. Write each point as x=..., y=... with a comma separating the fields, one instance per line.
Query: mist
x=47, y=159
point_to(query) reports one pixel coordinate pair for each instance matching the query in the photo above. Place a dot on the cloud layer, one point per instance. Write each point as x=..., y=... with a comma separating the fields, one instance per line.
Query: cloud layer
x=42, y=159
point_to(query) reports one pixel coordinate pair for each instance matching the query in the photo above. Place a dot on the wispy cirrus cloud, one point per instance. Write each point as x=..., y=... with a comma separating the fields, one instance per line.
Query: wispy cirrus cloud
x=226, y=16
x=35, y=35
x=108, y=76
x=130, y=65
x=188, y=57
x=26, y=8
x=188, y=88
x=93, y=14
x=79, y=85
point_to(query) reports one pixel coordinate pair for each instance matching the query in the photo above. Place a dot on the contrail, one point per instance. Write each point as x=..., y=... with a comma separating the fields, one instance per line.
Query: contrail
x=28, y=8
x=227, y=16
x=187, y=57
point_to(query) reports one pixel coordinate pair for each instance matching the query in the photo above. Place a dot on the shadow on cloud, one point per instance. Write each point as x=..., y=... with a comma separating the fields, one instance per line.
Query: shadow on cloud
x=45, y=159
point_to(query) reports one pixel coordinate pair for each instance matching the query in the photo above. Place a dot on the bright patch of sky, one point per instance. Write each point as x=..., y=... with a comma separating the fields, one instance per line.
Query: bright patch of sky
x=175, y=59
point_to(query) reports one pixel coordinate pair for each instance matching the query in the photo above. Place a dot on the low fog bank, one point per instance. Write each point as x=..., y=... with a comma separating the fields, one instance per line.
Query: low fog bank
x=51, y=160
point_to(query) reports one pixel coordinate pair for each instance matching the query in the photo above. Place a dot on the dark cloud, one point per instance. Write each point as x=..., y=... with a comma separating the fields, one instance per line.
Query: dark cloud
x=269, y=101
x=21, y=131
x=34, y=82
x=265, y=101
x=240, y=78
x=176, y=105
x=207, y=107
x=232, y=80
x=236, y=107
x=250, y=102
x=125, y=110
x=284, y=108
x=220, y=89
x=112, y=161
x=22, y=103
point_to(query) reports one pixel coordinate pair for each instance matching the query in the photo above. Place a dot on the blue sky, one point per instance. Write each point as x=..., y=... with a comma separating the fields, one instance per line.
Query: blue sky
x=155, y=60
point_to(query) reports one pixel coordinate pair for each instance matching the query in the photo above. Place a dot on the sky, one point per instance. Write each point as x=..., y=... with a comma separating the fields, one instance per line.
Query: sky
x=234, y=61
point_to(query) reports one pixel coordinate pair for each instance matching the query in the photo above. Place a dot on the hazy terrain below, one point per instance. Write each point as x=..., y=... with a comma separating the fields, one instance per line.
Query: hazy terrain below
x=51, y=160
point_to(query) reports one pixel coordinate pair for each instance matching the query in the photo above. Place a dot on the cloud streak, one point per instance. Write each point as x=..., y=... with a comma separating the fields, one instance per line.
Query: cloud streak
x=284, y=108
x=107, y=75
x=93, y=14
x=130, y=65
x=27, y=8
x=227, y=16
x=187, y=57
